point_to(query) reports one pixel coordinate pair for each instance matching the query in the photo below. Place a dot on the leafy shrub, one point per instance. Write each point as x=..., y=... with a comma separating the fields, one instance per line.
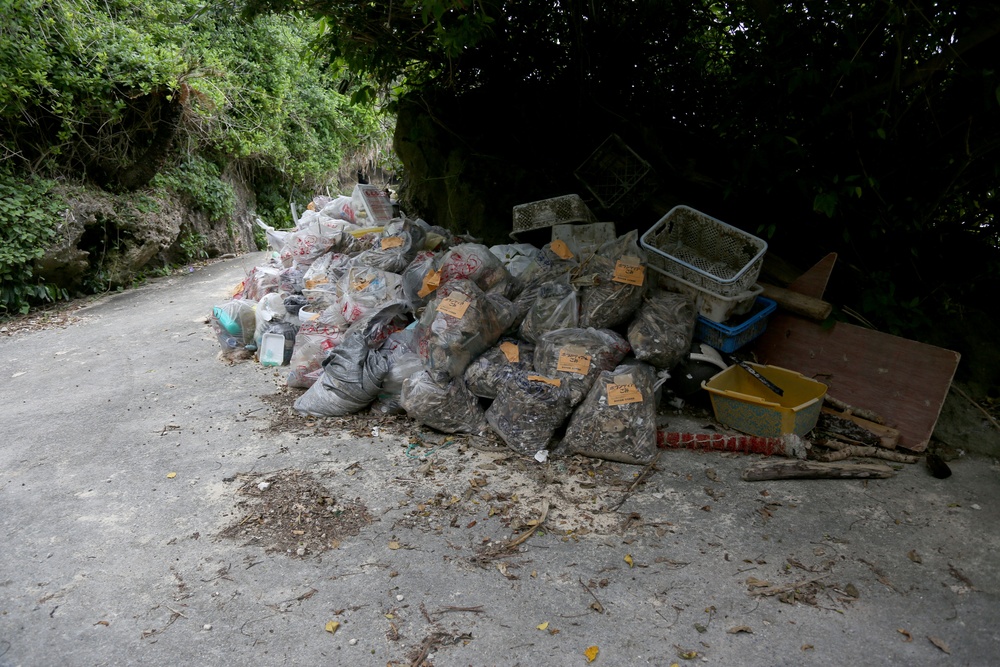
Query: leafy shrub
x=29, y=214
x=199, y=180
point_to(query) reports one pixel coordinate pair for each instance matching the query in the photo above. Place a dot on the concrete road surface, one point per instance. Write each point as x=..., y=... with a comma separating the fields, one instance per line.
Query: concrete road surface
x=128, y=447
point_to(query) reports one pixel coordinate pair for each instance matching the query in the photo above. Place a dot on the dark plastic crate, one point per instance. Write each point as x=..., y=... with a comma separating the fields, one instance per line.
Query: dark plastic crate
x=732, y=336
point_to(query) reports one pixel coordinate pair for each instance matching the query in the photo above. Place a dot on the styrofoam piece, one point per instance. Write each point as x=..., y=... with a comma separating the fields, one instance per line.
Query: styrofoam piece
x=272, y=349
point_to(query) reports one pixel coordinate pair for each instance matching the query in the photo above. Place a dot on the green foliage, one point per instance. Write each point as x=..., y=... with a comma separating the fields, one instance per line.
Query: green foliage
x=28, y=218
x=192, y=247
x=94, y=86
x=870, y=129
x=199, y=180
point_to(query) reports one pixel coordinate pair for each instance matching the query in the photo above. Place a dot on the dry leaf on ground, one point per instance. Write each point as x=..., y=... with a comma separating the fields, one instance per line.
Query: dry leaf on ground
x=940, y=643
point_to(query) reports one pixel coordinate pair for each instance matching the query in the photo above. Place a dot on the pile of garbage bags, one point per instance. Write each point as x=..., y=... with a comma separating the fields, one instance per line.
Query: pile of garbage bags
x=557, y=350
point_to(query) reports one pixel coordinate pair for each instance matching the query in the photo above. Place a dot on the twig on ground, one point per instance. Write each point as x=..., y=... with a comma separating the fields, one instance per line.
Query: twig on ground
x=531, y=531
x=638, y=480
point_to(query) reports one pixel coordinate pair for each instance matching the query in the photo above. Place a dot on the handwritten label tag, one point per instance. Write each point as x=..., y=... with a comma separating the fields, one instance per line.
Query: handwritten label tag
x=623, y=393
x=313, y=282
x=552, y=381
x=455, y=304
x=573, y=359
x=561, y=250
x=431, y=282
x=391, y=242
x=629, y=270
x=511, y=351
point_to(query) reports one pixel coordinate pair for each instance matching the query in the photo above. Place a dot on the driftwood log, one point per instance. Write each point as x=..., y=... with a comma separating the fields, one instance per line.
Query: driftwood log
x=848, y=451
x=857, y=429
x=795, y=469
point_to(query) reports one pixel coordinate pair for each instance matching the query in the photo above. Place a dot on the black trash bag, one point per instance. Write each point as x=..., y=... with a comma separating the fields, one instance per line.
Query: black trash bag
x=354, y=370
x=528, y=410
x=577, y=356
x=448, y=407
x=663, y=328
x=615, y=280
x=293, y=304
x=617, y=419
x=458, y=325
x=403, y=363
x=494, y=367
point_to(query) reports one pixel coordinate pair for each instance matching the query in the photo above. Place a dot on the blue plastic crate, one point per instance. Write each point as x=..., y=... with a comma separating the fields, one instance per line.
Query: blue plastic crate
x=729, y=338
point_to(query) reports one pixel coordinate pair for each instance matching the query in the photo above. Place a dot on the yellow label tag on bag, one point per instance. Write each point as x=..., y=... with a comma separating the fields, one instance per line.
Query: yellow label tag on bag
x=312, y=283
x=622, y=394
x=455, y=304
x=391, y=242
x=431, y=282
x=555, y=382
x=573, y=359
x=511, y=351
x=561, y=250
x=629, y=270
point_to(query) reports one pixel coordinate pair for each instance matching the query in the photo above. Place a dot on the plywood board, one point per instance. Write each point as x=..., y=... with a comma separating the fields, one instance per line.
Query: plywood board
x=903, y=380
x=814, y=281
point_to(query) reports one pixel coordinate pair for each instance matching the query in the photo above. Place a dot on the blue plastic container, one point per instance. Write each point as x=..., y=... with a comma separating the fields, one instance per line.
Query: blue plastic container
x=730, y=337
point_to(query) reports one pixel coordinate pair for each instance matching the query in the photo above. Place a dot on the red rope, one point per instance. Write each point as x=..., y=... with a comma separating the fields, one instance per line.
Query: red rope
x=746, y=444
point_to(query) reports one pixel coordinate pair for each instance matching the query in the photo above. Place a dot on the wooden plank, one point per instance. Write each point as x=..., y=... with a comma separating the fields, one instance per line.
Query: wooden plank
x=888, y=436
x=903, y=380
x=813, y=282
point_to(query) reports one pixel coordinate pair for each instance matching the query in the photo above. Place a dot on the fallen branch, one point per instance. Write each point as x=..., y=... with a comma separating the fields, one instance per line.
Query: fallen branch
x=766, y=470
x=872, y=452
x=854, y=426
x=851, y=410
x=478, y=609
x=531, y=531
x=638, y=480
x=830, y=443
